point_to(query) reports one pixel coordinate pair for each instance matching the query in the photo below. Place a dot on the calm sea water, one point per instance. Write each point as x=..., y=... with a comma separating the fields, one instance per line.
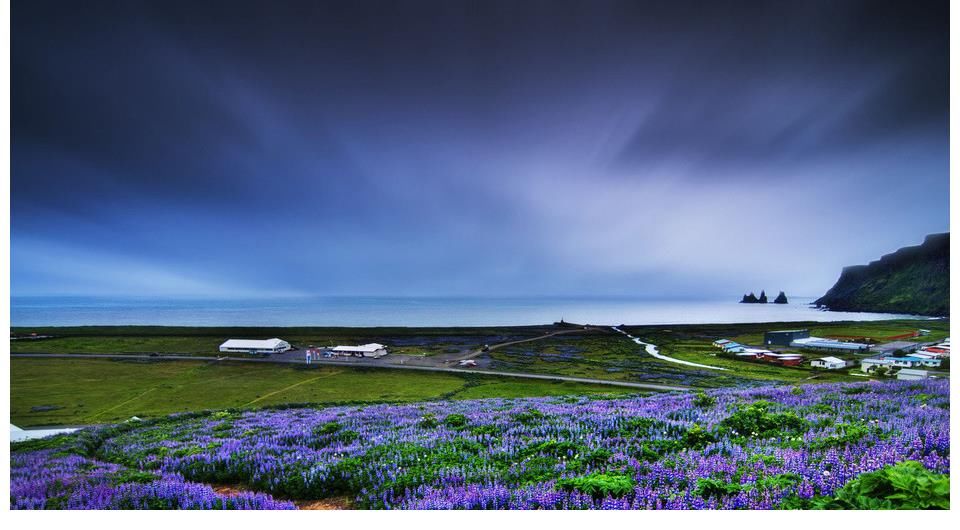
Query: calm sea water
x=379, y=311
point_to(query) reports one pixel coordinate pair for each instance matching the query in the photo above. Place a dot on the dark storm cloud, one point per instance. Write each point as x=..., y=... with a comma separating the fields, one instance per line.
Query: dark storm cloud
x=447, y=147
x=805, y=80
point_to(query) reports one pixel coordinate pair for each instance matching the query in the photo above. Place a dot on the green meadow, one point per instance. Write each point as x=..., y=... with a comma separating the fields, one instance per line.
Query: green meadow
x=88, y=391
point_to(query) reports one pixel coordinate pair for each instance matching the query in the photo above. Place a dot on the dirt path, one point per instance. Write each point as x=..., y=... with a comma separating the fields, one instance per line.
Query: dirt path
x=654, y=352
x=284, y=389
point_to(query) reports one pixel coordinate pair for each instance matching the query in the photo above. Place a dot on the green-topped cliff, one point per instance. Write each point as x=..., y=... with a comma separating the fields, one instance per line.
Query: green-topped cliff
x=911, y=280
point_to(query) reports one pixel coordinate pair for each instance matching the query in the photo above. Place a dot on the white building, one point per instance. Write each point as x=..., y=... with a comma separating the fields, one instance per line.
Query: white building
x=828, y=363
x=733, y=347
x=364, y=350
x=908, y=374
x=871, y=364
x=721, y=343
x=756, y=352
x=817, y=343
x=254, y=346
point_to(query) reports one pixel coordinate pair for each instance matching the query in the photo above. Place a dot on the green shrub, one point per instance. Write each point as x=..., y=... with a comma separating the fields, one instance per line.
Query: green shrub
x=712, y=487
x=455, y=421
x=529, y=417
x=599, y=485
x=904, y=486
x=754, y=421
x=327, y=428
x=847, y=434
x=697, y=437
x=127, y=476
x=703, y=400
x=428, y=422
x=486, y=430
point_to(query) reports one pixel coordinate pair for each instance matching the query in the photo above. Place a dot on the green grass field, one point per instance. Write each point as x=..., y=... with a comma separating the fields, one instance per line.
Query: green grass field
x=600, y=355
x=86, y=391
x=205, y=341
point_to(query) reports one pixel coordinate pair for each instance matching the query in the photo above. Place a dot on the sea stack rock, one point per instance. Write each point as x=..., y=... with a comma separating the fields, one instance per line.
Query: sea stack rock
x=749, y=299
x=780, y=299
x=763, y=298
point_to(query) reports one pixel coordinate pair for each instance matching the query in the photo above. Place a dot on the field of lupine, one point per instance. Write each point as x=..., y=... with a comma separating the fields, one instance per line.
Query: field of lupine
x=757, y=448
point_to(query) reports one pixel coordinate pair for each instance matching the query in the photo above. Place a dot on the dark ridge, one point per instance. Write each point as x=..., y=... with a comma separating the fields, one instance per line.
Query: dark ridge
x=913, y=280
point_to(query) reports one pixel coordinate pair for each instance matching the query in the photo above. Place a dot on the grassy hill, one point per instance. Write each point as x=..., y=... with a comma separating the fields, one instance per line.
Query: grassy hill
x=912, y=280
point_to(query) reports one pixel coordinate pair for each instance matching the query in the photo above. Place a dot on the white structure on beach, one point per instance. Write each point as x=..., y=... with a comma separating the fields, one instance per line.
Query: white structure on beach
x=364, y=350
x=254, y=346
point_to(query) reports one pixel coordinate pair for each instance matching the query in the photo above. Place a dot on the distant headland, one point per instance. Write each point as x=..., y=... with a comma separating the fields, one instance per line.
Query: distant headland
x=913, y=280
x=762, y=299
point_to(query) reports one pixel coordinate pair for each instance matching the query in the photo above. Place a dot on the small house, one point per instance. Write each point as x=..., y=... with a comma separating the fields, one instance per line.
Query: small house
x=828, y=363
x=871, y=364
x=373, y=350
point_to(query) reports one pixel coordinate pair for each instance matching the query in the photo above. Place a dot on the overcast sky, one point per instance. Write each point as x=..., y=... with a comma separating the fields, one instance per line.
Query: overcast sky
x=463, y=148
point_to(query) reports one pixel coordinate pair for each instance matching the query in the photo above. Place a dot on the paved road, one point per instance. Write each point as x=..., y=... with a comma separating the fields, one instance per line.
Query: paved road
x=354, y=363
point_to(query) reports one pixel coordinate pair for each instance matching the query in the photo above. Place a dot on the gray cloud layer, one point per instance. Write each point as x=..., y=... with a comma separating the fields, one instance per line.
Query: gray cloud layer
x=493, y=148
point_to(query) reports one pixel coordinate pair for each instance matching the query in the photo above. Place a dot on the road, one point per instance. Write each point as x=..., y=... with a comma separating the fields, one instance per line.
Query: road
x=653, y=351
x=355, y=363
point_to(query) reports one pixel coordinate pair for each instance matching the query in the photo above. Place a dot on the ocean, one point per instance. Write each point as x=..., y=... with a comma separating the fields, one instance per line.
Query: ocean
x=409, y=311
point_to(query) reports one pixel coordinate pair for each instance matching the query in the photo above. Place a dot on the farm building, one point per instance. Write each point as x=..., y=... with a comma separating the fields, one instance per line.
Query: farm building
x=828, y=363
x=911, y=361
x=900, y=345
x=904, y=362
x=784, y=337
x=936, y=351
x=830, y=345
x=365, y=350
x=786, y=359
x=733, y=347
x=871, y=364
x=721, y=343
x=908, y=374
x=254, y=346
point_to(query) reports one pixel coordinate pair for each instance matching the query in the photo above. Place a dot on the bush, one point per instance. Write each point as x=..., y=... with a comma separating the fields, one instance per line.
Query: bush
x=327, y=428
x=599, y=485
x=455, y=421
x=703, y=400
x=529, y=417
x=428, y=422
x=754, y=421
x=697, y=438
x=904, y=486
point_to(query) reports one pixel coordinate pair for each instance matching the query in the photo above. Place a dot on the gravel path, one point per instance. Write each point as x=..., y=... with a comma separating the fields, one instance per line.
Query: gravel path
x=655, y=352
